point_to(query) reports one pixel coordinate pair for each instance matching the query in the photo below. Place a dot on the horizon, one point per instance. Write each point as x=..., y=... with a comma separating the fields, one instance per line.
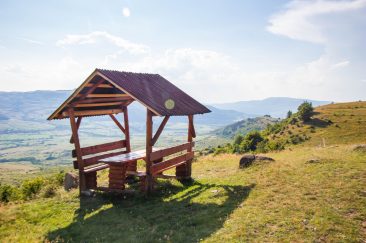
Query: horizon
x=241, y=51
x=212, y=104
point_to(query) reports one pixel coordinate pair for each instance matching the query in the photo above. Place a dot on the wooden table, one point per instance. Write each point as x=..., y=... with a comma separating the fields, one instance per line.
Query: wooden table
x=118, y=167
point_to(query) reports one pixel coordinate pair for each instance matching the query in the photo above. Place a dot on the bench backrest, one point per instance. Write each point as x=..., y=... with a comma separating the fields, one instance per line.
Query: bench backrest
x=171, y=162
x=92, y=154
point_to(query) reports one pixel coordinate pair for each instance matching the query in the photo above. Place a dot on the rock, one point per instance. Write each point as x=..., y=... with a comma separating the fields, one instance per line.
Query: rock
x=360, y=148
x=71, y=181
x=248, y=159
x=261, y=158
x=313, y=161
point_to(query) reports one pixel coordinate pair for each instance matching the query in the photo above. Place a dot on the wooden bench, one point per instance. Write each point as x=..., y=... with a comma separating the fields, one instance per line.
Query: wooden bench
x=91, y=160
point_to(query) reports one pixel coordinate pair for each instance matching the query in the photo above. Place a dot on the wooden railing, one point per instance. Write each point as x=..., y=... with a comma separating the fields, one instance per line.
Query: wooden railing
x=172, y=162
x=98, y=149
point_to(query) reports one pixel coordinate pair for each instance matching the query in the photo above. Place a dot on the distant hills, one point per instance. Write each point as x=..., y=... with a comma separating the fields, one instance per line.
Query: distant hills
x=274, y=106
x=36, y=106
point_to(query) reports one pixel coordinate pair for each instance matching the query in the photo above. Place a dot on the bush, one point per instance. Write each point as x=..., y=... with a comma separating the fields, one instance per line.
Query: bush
x=31, y=187
x=8, y=193
x=49, y=191
x=305, y=111
x=59, y=178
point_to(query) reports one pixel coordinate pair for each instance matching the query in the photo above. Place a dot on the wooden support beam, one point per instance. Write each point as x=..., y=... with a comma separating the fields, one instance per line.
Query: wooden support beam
x=191, y=125
x=78, y=150
x=107, y=96
x=100, y=100
x=127, y=129
x=160, y=129
x=78, y=121
x=149, y=185
x=98, y=104
x=94, y=112
x=118, y=124
x=91, y=90
x=106, y=86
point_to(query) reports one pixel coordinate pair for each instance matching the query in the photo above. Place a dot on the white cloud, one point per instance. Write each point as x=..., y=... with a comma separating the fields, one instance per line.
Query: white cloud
x=96, y=36
x=298, y=20
x=126, y=12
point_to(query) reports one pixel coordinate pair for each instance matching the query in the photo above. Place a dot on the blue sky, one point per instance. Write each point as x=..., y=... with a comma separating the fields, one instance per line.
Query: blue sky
x=218, y=51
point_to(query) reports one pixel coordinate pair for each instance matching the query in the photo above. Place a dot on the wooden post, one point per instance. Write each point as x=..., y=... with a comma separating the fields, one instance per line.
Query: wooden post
x=184, y=171
x=132, y=166
x=149, y=184
x=127, y=129
x=77, y=149
x=190, y=139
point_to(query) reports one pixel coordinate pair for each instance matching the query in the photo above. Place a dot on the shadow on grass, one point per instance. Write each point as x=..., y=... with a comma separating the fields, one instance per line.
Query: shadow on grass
x=185, y=213
x=316, y=122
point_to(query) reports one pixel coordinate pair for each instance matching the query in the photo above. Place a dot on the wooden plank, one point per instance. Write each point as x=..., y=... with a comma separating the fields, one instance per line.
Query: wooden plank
x=96, y=168
x=98, y=104
x=78, y=121
x=94, y=160
x=94, y=112
x=160, y=129
x=169, y=151
x=100, y=100
x=101, y=148
x=171, y=163
x=100, y=85
x=117, y=123
x=108, y=96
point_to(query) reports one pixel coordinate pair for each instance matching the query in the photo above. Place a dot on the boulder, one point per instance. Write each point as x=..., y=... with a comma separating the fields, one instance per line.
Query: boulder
x=313, y=161
x=248, y=160
x=71, y=181
x=360, y=148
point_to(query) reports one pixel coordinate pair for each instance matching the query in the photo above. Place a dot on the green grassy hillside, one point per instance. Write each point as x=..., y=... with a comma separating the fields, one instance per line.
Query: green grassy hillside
x=332, y=124
x=288, y=200
x=245, y=126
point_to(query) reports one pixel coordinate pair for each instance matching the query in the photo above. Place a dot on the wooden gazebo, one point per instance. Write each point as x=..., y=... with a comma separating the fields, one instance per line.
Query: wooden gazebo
x=107, y=92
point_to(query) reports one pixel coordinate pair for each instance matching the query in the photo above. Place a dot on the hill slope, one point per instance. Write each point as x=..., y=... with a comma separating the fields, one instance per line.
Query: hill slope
x=285, y=200
x=274, y=106
x=245, y=126
x=342, y=123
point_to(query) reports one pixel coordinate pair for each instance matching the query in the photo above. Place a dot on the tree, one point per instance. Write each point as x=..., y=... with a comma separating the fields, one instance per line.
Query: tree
x=305, y=111
x=289, y=114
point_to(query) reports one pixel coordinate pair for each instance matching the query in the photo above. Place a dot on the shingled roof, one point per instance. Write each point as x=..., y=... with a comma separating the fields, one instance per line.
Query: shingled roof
x=152, y=90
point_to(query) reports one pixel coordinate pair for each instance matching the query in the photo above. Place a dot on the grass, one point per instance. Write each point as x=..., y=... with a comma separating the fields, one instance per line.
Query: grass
x=285, y=200
x=347, y=125
x=289, y=200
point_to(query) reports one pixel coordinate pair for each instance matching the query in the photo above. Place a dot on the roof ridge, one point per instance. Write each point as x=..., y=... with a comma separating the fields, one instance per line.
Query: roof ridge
x=129, y=72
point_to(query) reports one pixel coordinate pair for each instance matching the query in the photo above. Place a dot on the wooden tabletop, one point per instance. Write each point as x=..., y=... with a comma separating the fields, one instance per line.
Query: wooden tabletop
x=124, y=158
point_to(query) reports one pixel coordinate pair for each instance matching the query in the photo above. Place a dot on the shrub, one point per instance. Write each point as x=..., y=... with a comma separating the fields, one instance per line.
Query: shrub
x=8, y=193
x=59, y=178
x=49, y=191
x=289, y=114
x=305, y=111
x=31, y=187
